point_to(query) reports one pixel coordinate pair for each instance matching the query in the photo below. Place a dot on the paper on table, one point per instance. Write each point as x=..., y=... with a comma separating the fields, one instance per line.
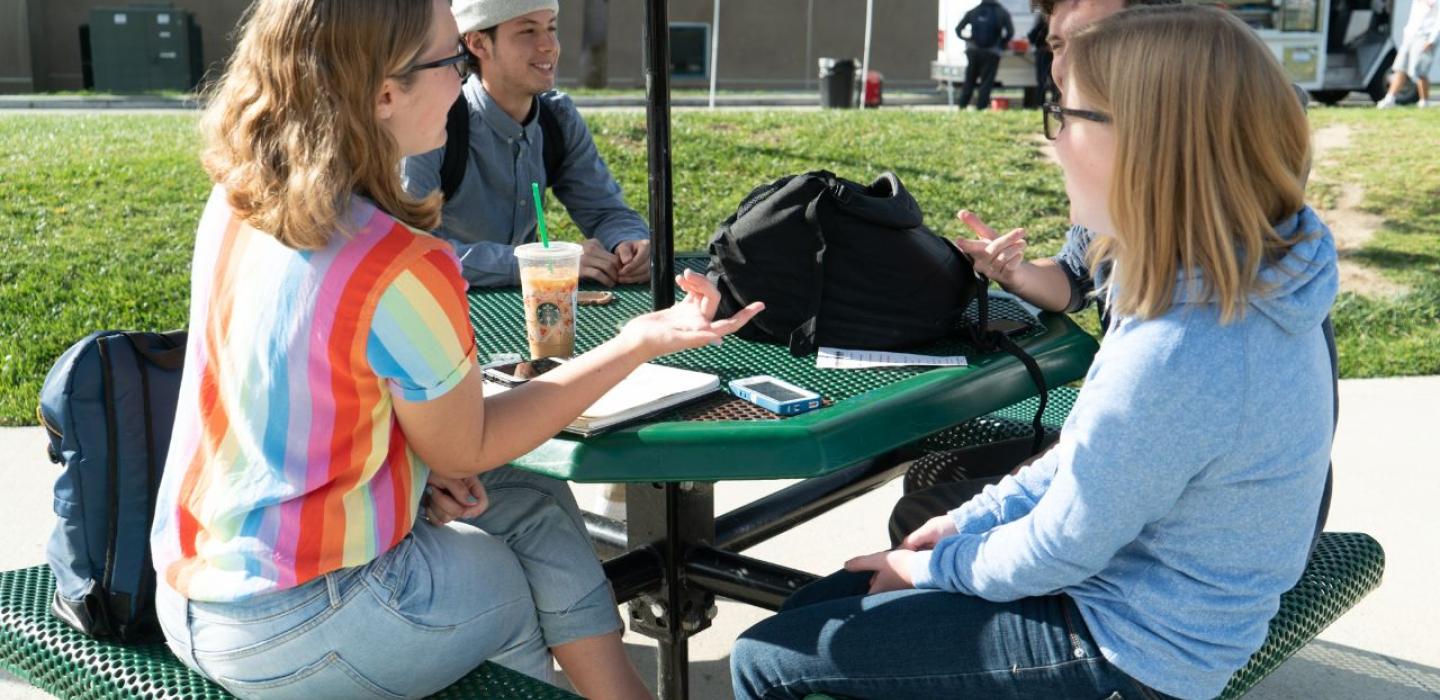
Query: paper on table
x=836, y=358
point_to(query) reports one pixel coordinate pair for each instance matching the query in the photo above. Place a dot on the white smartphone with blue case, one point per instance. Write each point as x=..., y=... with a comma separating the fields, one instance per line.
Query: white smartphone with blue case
x=775, y=395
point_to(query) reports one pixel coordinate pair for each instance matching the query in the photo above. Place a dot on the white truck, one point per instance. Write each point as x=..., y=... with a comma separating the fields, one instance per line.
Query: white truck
x=1329, y=47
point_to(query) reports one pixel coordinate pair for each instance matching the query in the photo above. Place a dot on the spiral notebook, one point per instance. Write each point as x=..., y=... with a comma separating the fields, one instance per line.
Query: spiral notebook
x=649, y=390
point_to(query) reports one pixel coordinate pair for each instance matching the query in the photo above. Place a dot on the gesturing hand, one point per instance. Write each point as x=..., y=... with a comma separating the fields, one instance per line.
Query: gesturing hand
x=995, y=256
x=453, y=499
x=892, y=569
x=690, y=323
x=927, y=535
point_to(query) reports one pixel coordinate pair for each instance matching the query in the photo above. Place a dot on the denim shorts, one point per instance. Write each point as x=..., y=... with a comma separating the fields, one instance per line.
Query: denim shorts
x=1414, y=59
x=504, y=587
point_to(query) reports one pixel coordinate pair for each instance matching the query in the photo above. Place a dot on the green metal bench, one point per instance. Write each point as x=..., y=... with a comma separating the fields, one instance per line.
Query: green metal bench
x=1343, y=568
x=42, y=650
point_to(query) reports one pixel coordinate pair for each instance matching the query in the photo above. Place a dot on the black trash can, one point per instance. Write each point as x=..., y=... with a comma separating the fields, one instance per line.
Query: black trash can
x=837, y=83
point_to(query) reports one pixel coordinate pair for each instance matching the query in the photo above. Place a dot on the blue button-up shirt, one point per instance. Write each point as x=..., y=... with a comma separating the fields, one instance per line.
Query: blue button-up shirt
x=494, y=211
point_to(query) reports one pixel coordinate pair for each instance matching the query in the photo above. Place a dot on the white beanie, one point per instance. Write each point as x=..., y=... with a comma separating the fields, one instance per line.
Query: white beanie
x=474, y=15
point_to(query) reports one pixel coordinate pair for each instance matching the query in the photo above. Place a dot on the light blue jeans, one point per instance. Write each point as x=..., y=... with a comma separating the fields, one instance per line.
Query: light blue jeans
x=503, y=587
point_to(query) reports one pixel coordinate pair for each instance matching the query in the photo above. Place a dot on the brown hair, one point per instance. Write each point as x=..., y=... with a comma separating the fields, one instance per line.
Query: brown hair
x=290, y=131
x=1047, y=7
x=1211, y=152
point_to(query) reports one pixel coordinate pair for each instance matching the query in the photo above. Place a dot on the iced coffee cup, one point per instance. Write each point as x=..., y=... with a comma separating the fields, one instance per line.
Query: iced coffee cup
x=549, y=277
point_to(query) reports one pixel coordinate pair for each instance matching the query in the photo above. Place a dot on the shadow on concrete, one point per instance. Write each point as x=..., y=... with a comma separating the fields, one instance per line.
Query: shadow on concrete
x=1324, y=670
x=709, y=678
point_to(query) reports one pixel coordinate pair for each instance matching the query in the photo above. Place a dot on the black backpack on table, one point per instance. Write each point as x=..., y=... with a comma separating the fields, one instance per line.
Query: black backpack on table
x=846, y=265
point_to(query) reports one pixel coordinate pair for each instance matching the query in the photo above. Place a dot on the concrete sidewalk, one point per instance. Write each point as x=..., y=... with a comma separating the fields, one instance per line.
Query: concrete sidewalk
x=1386, y=483
x=687, y=99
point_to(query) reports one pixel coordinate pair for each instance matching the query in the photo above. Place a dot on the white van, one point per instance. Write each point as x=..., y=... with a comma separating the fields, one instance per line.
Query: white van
x=1329, y=47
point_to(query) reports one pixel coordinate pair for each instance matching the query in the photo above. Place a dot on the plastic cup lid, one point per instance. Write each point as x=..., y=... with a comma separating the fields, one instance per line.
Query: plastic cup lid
x=558, y=250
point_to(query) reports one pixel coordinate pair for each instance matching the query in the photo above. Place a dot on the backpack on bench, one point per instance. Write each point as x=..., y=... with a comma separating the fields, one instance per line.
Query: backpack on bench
x=108, y=407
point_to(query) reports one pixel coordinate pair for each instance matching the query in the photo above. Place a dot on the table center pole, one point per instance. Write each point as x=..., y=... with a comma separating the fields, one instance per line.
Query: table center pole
x=657, y=139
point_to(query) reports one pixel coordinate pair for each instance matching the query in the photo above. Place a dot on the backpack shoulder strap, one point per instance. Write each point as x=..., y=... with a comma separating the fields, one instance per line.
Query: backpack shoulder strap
x=988, y=340
x=457, y=147
x=553, y=148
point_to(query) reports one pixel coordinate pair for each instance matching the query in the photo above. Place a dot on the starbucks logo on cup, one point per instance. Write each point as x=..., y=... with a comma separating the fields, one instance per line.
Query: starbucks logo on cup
x=547, y=314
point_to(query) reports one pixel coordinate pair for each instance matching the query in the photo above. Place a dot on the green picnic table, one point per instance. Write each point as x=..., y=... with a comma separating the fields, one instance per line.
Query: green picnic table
x=674, y=556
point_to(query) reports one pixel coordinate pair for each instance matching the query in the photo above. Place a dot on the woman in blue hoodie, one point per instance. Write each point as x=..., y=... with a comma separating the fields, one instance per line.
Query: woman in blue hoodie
x=1145, y=555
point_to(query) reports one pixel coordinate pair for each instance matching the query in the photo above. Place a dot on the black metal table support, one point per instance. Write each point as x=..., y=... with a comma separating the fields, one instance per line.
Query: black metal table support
x=669, y=518
x=634, y=573
x=657, y=130
x=763, y=519
x=608, y=535
x=678, y=556
x=759, y=583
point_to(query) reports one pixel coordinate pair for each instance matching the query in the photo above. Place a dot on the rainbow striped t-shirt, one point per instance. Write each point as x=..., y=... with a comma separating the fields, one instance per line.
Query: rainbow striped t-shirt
x=286, y=461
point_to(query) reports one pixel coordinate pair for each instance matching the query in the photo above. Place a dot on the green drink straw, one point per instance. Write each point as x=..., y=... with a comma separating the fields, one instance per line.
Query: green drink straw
x=540, y=215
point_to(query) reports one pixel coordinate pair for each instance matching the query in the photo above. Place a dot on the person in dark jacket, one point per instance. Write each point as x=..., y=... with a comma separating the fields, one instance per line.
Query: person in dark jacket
x=987, y=30
x=1039, y=38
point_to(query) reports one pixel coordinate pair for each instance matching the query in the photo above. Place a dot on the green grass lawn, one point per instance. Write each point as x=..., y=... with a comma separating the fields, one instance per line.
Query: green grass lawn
x=1395, y=156
x=97, y=213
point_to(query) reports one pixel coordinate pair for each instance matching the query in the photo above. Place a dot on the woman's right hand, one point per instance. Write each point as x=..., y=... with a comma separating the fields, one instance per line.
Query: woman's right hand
x=690, y=323
x=995, y=256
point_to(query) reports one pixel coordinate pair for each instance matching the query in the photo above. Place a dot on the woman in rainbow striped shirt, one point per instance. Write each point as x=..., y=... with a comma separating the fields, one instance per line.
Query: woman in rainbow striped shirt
x=330, y=375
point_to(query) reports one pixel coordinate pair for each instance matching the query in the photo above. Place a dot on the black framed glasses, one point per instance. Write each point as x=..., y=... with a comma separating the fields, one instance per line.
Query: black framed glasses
x=1055, y=118
x=461, y=62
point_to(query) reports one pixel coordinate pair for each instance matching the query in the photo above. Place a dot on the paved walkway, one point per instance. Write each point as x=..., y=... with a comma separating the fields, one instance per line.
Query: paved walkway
x=1387, y=483
x=635, y=99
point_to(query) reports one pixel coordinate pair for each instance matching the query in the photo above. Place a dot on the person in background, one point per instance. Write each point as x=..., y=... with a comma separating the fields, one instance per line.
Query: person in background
x=331, y=423
x=1416, y=53
x=517, y=48
x=987, y=30
x=1121, y=562
x=1039, y=38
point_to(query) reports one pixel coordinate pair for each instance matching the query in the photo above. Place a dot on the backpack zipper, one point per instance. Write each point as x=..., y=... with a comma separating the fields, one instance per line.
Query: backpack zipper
x=55, y=435
x=112, y=487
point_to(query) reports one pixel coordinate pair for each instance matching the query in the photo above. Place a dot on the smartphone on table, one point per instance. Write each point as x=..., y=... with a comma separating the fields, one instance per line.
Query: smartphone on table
x=517, y=373
x=775, y=395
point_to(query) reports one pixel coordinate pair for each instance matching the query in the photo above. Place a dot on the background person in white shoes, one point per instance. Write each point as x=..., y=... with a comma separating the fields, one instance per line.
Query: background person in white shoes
x=1417, y=50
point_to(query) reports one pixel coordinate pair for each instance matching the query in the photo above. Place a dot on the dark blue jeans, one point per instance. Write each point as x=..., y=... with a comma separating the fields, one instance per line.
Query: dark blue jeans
x=832, y=638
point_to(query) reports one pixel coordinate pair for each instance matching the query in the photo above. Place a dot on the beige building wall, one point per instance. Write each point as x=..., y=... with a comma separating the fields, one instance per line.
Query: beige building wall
x=763, y=42
x=55, y=35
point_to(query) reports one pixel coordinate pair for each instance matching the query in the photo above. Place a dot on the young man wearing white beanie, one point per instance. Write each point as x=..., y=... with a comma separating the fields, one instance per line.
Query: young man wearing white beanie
x=516, y=46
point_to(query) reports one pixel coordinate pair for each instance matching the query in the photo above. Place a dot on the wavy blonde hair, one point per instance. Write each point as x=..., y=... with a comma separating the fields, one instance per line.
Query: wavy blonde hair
x=1212, y=149
x=290, y=131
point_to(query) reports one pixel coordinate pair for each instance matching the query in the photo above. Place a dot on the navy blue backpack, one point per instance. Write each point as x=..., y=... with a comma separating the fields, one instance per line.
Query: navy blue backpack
x=108, y=405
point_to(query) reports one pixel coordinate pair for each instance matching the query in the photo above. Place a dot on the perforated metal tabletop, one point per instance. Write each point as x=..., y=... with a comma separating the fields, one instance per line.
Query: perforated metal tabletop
x=868, y=411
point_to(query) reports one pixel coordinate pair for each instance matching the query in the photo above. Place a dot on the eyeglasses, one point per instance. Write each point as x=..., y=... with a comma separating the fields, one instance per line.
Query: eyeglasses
x=1055, y=118
x=461, y=61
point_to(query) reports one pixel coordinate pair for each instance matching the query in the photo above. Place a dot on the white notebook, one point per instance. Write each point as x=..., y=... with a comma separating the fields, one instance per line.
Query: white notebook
x=650, y=389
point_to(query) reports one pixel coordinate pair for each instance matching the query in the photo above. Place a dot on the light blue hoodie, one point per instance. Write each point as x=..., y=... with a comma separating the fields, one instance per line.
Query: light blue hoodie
x=1181, y=499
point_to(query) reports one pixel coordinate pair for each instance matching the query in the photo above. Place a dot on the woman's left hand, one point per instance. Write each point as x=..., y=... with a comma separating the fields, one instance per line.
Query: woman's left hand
x=690, y=323
x=453, y=499
x=892, y=569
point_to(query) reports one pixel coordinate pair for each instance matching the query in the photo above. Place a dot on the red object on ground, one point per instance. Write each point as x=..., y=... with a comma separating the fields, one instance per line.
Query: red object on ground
x=874, y=82
x=1020, y=46
x=999, y=103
